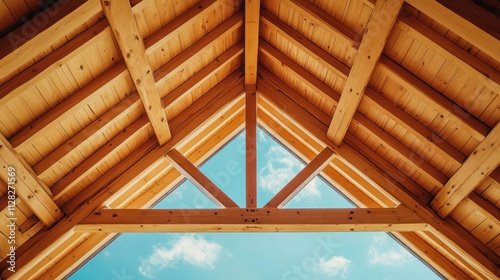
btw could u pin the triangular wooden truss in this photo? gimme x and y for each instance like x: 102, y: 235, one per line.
x: 62, y: 232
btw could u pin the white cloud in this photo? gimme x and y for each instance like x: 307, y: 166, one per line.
x: 334, y: 266
x: 383, y: 253
x: 191, y: 249
x: 281, y: 166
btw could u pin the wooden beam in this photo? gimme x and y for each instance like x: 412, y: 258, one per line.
x: 380, y: 25
x: 252, y: 219
x: 27, y: 185
x: 301, y: 179
x: 251, y: 148
x: 486, y: 40
x: 473, y: 171
x: 126, y: 32
x: 195, y: 176
x: 45, y: 30
x: 252, y: 19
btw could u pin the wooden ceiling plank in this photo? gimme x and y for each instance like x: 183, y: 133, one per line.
x: 28, y: 186
x: 130, y: 104
x: 46, y: 66
x: 43, y: 31
x: 326, y: 21
x: 163, y: 73
x: 444, y: 106
x: 472, y: 65
x: 252, y: 20
x: 68, y: 107
x: 129, y: 168
x: 171, y: 29
x: 388, y: 141
x: 251, y: 147
x: 461, y: 240
x: 128, y: 38
x: 100, y: 156
x: 304, y: 44
x: 244, y: 220
x: 486, y: 40
x: 202, y: 75
x: 373, y: 99
x: 473, y: 171
x: 305, y: 76
x: 380, y: 25
x: 202, y: 182
x: 303, y: 178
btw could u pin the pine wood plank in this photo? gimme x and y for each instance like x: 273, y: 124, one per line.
x: 195, y: 176
x: 481, y: 35
x: 473, y: 171
x: 323, y: 19
x: 380, y: 25
x: 130, y: 42
x: 423, y: 91
x: 303, y: 178
x: 48, y: 27
x: 28, y: 186
x: 466, y: 61
x: 41, y: 70
x: 170, y: 30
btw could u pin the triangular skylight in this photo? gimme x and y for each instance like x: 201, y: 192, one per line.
x: 360, y: 255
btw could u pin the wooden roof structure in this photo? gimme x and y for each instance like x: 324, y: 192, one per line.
x: 106, y: 105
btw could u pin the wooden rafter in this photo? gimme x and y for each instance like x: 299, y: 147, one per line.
x: 252, y: 15
x: 121, y: 18
x: 466, y: 29
x: 202, y: 182
x: 383, y: 18
x: 250, y: 219
x: 303, y: 178
x: 28, y: 186
x: 251, y: 148
x: 484, y: 160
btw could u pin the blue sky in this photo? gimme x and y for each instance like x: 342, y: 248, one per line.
x: 254, y: 256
